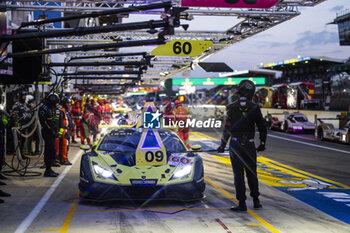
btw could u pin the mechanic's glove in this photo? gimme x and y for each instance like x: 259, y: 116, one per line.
x: 4, y: 119
x: 221, y: 148
x: 261, y: 147
x: 60, y: 132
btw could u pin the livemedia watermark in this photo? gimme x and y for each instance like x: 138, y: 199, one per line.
x: 155, y: 120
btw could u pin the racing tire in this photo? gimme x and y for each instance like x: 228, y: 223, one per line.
x: 285, y: 127
x: 320, y: 134
x: 268, y: 123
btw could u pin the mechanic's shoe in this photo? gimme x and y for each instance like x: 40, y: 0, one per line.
x: 2, y: 177
x: 2, y: 183
x: 57, y: 174
x: 73, y: 141
x: 241, y: 207
x: 65, y: 163
x: 56, y: 165
x: 3, y: 194
x: 257, y: 204
x: 50, y: 173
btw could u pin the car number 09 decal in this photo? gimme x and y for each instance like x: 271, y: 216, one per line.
x: 150, y: 156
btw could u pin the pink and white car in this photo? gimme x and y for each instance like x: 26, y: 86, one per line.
x: 297, y: 123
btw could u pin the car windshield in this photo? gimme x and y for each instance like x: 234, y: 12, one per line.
x: 127, y: 140
x: 300, y: 118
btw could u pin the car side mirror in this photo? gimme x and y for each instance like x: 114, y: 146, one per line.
x: 84, y: 148
x: 94, y: 145
x: 196, y: 147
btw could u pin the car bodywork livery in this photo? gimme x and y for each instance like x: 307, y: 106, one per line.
x: 326, y: 131
x: 263, y: 97
x: 140, y: 164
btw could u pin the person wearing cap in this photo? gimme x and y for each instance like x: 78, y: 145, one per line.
x: 65, y: 124
x: 242, y: 116
x: 49, y: 120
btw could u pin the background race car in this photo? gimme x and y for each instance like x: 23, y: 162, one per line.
x: 138, y: 163
x: 326, y: 131
x: 297, y: 123
x: 272, y: 122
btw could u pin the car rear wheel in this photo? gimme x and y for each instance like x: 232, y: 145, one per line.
x: 320, y: 134
x: 285, y: 127
x: 268, y: 123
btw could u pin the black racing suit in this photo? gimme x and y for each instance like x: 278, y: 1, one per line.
x: 240, y: 129
x: 3, y: 123
x: 49, y: 120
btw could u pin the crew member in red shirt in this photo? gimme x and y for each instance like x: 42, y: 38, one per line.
x: 182, y: 114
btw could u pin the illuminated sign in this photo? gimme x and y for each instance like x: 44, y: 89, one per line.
x: 230, y: 3
x: 215, y: 81
x: 184, y: 48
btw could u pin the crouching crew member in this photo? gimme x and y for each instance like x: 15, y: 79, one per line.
x: 49, y: 120
x: 242, y: 116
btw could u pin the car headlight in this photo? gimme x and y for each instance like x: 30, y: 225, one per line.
x: 104, y: 131
x: 343, y: 138
x: 102, y: 172
x: 183, y: 172
x: 114, y: 122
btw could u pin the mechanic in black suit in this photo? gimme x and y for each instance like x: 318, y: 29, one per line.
x: 239, y: 131
x: 49, y: 120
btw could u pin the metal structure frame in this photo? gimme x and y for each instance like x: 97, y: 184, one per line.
x: 252, y: 22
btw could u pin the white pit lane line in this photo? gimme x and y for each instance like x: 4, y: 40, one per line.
x: 34, y: 213
x: 310, y: 144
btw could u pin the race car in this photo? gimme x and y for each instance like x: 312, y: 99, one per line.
x: 297, y: 123
x: 326, y: 131
x: 273, y: 122
x: 136, y: 163
x: 141, y: 164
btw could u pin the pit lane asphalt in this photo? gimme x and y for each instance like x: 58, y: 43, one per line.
x: 59, y: 210
x: 303, y: 151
